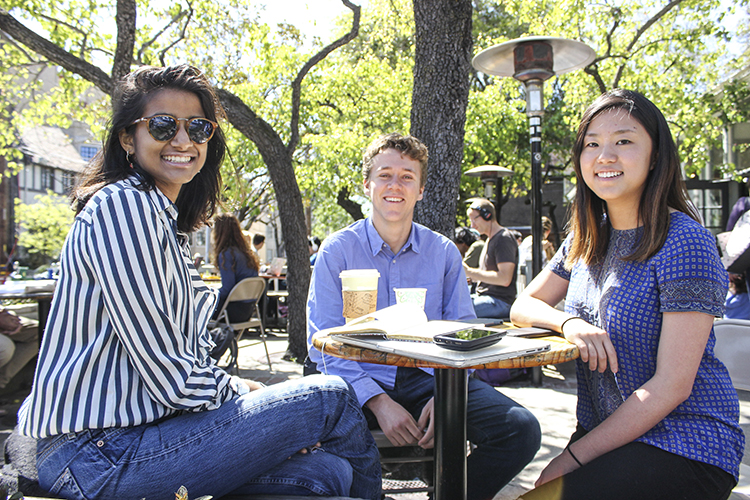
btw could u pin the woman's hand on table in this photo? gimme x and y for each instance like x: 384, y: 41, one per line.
x: 427, y: 423
x: 396, y: 423
x: 593, y: 343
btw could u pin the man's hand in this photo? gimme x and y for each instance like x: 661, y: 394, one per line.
x: 396, y: 423
x: 427, y: 423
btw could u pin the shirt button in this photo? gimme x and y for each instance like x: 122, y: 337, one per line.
x: 100, y: 443
x: 394, y: 261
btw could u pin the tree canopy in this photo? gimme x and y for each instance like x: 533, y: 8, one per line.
x: 303, y: 111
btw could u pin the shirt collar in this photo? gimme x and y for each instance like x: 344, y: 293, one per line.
x: 159, y: 199
x: 377, y: 243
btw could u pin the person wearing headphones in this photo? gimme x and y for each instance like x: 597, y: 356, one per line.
x: 469, y: 244
x: 496, y: 274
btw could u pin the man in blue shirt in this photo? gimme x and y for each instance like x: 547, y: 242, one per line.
x: 408, y: 255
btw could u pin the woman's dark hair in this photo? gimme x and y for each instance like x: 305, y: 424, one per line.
x: 197, y: 200
x: 227, y: 233
x: 664, y: 188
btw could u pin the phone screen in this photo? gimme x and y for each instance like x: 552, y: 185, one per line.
x: 471, y: 334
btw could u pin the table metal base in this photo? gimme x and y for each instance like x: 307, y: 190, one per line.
x: 451, y: 392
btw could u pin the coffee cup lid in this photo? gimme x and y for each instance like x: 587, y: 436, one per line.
x: 349, y: 273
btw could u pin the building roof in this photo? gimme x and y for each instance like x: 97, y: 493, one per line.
x: 51, y: 147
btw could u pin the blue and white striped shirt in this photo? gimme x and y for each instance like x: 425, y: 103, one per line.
x: 126, y: 340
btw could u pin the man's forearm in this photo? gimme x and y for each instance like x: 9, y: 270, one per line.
x: 498, y: 278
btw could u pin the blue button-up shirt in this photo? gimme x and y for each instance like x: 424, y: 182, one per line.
x: 427, y: 260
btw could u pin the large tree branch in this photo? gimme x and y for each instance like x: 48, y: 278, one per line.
x: 353, y: 208
x: 638, y: 34
x: 297, y: 83
x: 54, y: 53
x: 183, y: 31
x: 175, y: 19
x: 125, y: 18
x: 83, y: 34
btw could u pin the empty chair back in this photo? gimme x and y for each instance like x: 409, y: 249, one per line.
x: 733, y: 349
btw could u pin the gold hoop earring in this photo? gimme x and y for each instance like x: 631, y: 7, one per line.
x: 127, y: 158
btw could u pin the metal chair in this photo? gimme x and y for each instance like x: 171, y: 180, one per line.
x: 733, y: 349
x: 417, y: 464
x: 247, y: 289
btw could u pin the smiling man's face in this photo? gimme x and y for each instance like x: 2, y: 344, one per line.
x: 394, y: 187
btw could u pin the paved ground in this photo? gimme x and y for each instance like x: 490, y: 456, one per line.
x: 553, y: 404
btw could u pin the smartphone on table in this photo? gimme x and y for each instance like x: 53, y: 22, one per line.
x: 469, y: 338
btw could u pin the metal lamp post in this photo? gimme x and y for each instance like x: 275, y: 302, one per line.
x: 492, y: 178
x: 533, y: 60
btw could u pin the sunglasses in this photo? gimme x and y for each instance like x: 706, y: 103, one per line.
x: 163, y: 128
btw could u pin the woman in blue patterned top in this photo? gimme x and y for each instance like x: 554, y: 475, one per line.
x: 642, y: 283
x: 127, y: 402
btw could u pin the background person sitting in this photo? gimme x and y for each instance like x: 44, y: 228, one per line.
x: 235, y: 261
x: 259, y: 241
x: 496, y: 275
x: 548, y: 248
x: 469, y: 244
x: 737, y: 303
x: 19, y: 344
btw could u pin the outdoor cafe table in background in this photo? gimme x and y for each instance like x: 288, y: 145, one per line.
x: 451, y: 389
x: 275, y: 292
x: 40, y: 291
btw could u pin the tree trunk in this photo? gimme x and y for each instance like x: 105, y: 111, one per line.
x: 291, y: 212
x: 440, y: 95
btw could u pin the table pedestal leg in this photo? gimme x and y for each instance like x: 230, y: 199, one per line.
x: 451, y: 389
x: 43, y: 307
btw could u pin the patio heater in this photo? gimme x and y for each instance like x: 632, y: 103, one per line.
x: 533, y: 60
x: 492, y: 178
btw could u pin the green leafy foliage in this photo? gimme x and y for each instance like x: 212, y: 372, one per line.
x: 43, y: 227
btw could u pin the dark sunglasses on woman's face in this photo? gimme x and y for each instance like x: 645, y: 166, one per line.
x: 163, y: 128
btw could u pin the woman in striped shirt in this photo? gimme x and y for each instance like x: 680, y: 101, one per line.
x: 126, y: 401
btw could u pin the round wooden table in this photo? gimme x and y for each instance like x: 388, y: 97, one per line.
x: 451, y: 389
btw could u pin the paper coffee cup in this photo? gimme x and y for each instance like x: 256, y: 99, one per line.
x: 414, y: 296
x: 359, y: 289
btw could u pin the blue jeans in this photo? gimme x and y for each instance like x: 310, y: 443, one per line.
x: 247, y: 446
x: 506, y: 435
x: 487, y: 306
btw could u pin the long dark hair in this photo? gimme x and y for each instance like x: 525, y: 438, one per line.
x: 664, y: 188
x: 226, y: 234
x: 197, y: 200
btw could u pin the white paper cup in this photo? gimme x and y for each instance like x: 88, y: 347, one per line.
x: 414, y: 296
x: 359, y: 289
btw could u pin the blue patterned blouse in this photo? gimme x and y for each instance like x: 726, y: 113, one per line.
x: 627, y: 300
